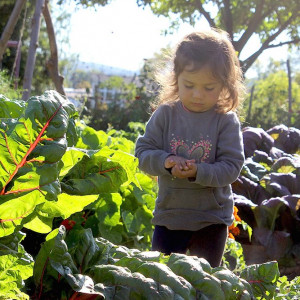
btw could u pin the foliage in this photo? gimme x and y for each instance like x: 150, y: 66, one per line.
x: 7, y: 88
x: 134, y: 130
x: 117, y: 112
x: 41, y: 80
x: 233, y: 257
x: 270, y: 101
x: 56, y: 170
x: 46, y: 177
x: 287, y: 289
x: 85, y: 265
x: 126, y: 103
x: 135, y: 104
x: 15, y: 266
x: 241, y: 19
x: 122, y: 215
x: 87, y: 3
x: 267, y: 193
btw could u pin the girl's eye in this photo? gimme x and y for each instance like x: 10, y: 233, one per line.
x: 189, y: 86
x: 209, y: 89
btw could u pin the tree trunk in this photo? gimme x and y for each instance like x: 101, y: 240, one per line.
x: 10, y: 26
x: 290, y: 92
x: 36, y: 23
x: 250, y: 103
x: 52, y: 63
x: 17, y: 62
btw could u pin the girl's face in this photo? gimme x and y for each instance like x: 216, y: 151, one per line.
x: 198, y: 91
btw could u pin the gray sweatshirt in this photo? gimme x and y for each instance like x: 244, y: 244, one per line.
x: 215, y: 141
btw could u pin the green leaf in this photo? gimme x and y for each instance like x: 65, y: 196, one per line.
x: 65, y: 206
x: 13, y: 270
x: 286, y: 165
x: 94, y: 139
x: 11, y: 244
x: 94, y: 174
x: 164, y: 275
x: 11, y: 108
x: 145, y: 287
x: 35, y: 140
x: 128, y: 162
x: 71, y: 157
x: 186, y: 267
x: 13, y: 212
x: 108, y: 209
x: 263, y: 279
x: 31, y: 148
x: 86, y: 248
x: 52, y: 258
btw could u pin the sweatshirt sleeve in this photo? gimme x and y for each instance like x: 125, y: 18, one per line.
x: 149, y: 147
x: 229, y: 156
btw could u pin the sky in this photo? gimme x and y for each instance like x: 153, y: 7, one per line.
x: 122, y: 35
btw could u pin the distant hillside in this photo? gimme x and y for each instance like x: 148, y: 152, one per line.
x: 108, y: 70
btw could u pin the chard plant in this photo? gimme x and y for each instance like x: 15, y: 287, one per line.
x: 78, y: 191
x: 267, y: 195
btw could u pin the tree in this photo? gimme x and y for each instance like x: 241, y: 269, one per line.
x: 52, y: 63
x: 9, y: 28
x: 10, y: 16
x: 270, y: 105
x: 242, y: 19
x: 30, y: 63
x: 87, y: 3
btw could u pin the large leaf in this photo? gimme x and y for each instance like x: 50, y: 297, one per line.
x: 65, y: 206
x: 95, y: 172
x: 262, y: 158
x: 17, y: 211
x: 109, y: 216
x: 11, y: 244
x: 262, y: 278
x: 285, y: 138
x: 31, y: 148
x: 250, y: 189
x: 90, y: 138
x: 256, y: 139
x: 54, y: 258
x: 277, y: 243
x: 36, y: 139
x: 282, y: 184
x: 286, y: 165
x: 15, y: 266
x: 11, y: 108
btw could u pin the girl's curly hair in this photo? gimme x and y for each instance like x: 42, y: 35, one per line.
x: 213, y: 48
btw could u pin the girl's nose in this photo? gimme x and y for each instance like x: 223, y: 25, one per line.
x: 198, y: 93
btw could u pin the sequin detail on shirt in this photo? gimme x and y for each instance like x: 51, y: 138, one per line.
x: 194, y: 150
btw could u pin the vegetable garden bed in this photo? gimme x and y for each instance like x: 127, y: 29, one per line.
x: 86, y: 210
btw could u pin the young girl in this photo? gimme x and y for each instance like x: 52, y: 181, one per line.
x: 193, y: 143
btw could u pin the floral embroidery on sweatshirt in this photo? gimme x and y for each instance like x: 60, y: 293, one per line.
x: 198, y: 150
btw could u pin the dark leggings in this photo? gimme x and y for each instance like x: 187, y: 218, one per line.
x: 208, y: 242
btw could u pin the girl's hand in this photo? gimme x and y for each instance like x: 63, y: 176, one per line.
x: 181, y: 162
x: 190, y: 172
x: 170, y: 162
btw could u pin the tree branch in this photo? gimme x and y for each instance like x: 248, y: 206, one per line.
x: 246, y: 64
x: 253, y: 24
x: 10, y: 26
x: 228, y: 18
x: 256, y: 21
x: 284, y: 43
x: 207, y: 16
x: 34, y: 37
x: 52, y: 63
